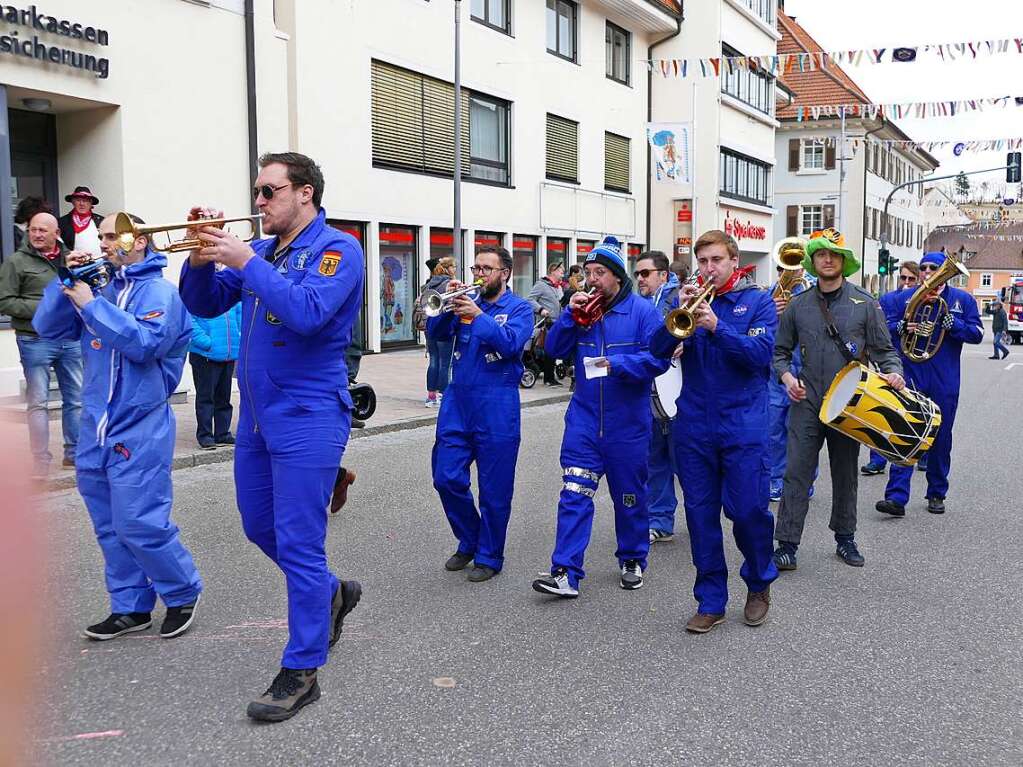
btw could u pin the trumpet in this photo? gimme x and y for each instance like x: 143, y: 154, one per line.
x: 788, y: 254
x: 127, y: 231
x: 436, y: 303
x: 592, y: 310
x: 681, y: 322
x: 922, y: 344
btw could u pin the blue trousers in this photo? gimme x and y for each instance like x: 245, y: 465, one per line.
x: 38, y: 355
x: 129, y: 502
x: 482, y: 427
x: 736, y: 480
x: 660, y: 486
x: 284, y: 474
x: 438, y: 373
x: 585, y: 458
x: 939, y: 458
x: 778, y: 414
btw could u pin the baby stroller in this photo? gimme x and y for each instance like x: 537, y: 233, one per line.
x: 533, y: 356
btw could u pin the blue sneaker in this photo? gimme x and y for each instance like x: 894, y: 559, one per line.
x: 775, y: 493
x: 812, y: 490
x: 872, y: 468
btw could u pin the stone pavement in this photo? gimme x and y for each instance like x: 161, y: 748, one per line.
x: 399, y: 379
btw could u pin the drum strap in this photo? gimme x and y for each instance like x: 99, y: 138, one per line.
x: 834, y: 333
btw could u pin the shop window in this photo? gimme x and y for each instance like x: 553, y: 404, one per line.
x: 524, y: 248
x: 557, y: 251
x: 398, y: 284
x: 562, y: 20
x: 618, y: 44
x: 562, y: 149
x: 582, y: 249
x: 442, y: 245
x: 488, y: 240
x: 356, y: 229
x: 634, y: 251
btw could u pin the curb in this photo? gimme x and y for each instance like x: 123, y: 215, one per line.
x: 225, y: 454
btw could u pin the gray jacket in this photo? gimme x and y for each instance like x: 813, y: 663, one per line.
x: 861, y: 323
x: 544, y: 295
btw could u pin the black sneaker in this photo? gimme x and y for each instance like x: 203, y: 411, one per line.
x: 553, y: 384
x: 207, y: 443
x: 785, y: 557
x: 345, y: 599
x: 117, y: 624
x: 848, y: 553
x: 921, y: 465
x: 557, y: 584
x: 458, y: 561
x: 228, y: 440
x: 632, y: 575
x: 290, y: 690
x: 178, y: 620
x: 936, y: 505
x: 890, y: 507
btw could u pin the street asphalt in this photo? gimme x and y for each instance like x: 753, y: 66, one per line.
x: 915, y: 659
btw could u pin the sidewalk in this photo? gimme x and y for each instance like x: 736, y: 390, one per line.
x: 399, y: 379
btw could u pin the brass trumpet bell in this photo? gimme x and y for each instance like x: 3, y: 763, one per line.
x: 788, y: 255
x: 128, y: 231
x: 681, y: 322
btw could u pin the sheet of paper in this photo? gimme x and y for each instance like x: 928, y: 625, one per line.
x: 590, y: 366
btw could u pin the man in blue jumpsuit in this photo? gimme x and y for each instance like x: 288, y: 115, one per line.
x: 607, y: 428
x: 721, y: 429
x: 656, y: 282
x: 479, y: 415
x: 938, y: 378
x: 301, y: 290
x: 135, y: 334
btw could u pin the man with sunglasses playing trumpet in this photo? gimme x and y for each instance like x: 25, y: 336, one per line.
x: 301, y: 291
x: 479, y: 415
x: 937, y: 377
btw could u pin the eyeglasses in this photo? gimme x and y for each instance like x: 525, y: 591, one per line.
x: 644, y: 273
x: 928, y: 268
x: 485, y: 271
x: 907, y: 277
x: 267, y: 191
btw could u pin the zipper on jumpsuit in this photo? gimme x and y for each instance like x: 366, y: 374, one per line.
x: 601, y: 381
x: 248, y: 385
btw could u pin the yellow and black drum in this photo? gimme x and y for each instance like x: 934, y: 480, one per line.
x: 900, y: 425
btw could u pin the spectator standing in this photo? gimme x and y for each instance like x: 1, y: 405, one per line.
x: 545, y: 298
x: 999, y: 327
x: 27, y: 207
x: 79, y: 228
x: 212, y: 354
x: 439, y: 350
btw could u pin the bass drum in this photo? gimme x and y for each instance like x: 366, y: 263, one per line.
x: 900, y: 425
x: 667, y: 387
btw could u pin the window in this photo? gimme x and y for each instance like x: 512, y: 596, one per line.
x: 618, y: 43
x: 413, y: 126
x: 764, y: 9
x: 524, y: 249
x: 634, y: 250
x: 561, y: 28
x: 562, y: 149
x: 582, y: 249
x: 488, y: 240
x: 557, y: 252
x: 442, y: 244
x: 493, y: 13
x: 617, y: 157
x: 985, y: 280
x: 488, y: 139
x: 813, y: 154
x: 397, y: 284
x: 751, y: 86
x: 811, y: 219
x: 743, y: 177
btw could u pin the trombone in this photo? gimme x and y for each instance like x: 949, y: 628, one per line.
x: 436, y: 303
x: 681, y: 322
x: 127, y: 231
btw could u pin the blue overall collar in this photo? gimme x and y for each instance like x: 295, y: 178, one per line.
x: 305, y: 238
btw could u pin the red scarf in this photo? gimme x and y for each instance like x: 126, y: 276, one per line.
x: 738, y: 274
x: 80, y: 223
x: 54, y: 254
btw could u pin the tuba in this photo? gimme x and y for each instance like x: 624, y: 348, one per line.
x: 592, y: 310
x: 681, y: 322
x: 788, y: 255
x: 436, y: 303
x: 924, y: 343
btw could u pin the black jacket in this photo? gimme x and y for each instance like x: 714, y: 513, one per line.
x: 67, y: 228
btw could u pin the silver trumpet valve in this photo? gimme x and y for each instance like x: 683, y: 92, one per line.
x: 436, y: 303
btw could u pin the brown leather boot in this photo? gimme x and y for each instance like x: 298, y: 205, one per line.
x: 291, y: 690
x: 701, y: 623
x: 340, y: 497
x: 757, y: 604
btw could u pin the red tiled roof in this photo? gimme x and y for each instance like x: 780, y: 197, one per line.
x: 988, y: 252
x: 819, y: 87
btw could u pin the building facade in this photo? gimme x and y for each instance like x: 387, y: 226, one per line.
x: 941, y: 210
x: 993, y: 253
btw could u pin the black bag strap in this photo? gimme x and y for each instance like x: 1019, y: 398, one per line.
x: 832, y: 329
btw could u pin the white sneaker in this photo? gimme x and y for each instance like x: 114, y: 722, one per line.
x: 429, y: 402
x: 557, y: 584
x: 632, y: 575
x: 660, y: 536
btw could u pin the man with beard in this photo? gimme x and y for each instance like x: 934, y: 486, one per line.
x: 479, y: 415
x: 607, y: 429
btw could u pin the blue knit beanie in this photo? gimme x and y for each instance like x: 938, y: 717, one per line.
x: 933, y: 258
x: 609, y: 254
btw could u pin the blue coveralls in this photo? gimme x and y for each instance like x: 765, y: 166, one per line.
x: 298, y: 309
x: 721, y: 429
x: 135, y: 336
x: 885, y: 301
x: 779, y: 414
x: 660, y: 486
x: 479, y: 421
x: 607, y: 430
x: 938, y: 378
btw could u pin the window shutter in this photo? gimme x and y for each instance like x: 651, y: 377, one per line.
x: 439, y: 127
x: 616, y: 162
x: 829, y: 216
x: 829, y: 156
x: 792, y: 220
x: 397, y: 113
x: 794, y: 148
x: 562, y: 148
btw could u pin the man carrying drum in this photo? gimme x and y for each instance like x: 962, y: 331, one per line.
x: 832, y: 324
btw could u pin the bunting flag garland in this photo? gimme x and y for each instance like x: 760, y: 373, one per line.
x: 978, y: 145
x: 916, y: 109
x: 783, y: 63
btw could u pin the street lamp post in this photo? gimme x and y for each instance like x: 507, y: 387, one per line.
x: 456, y: 239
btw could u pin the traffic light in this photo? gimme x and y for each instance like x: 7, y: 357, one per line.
x: 1012, y: 169
x: 883, y: 261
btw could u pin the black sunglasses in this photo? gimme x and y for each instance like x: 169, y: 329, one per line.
x: 267, y: 191
x: 928, y: 268
x: 644, y: 273
x: 907, y: 277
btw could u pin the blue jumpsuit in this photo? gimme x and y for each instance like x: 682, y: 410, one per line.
x: 660, y: 486
x: 938, y: 378
x: 479, y: 421
x: 886, y: 301
x: 721, y: 429
x: 607, y: 430
x: 134, y: 337
x: 298, y: 309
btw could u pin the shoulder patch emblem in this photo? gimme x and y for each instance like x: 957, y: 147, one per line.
x: 329, y: 263
x: 271, y: 318
x: 300, y: 261
x: 500, y: 319
x: 854, y: 300
x: 151, y: 315
x: 96, y: 344
x: 629, y: 500
x: 739, y: 309
x: 957, y: 307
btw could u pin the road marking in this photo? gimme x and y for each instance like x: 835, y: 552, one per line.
x: 1011, y: 365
